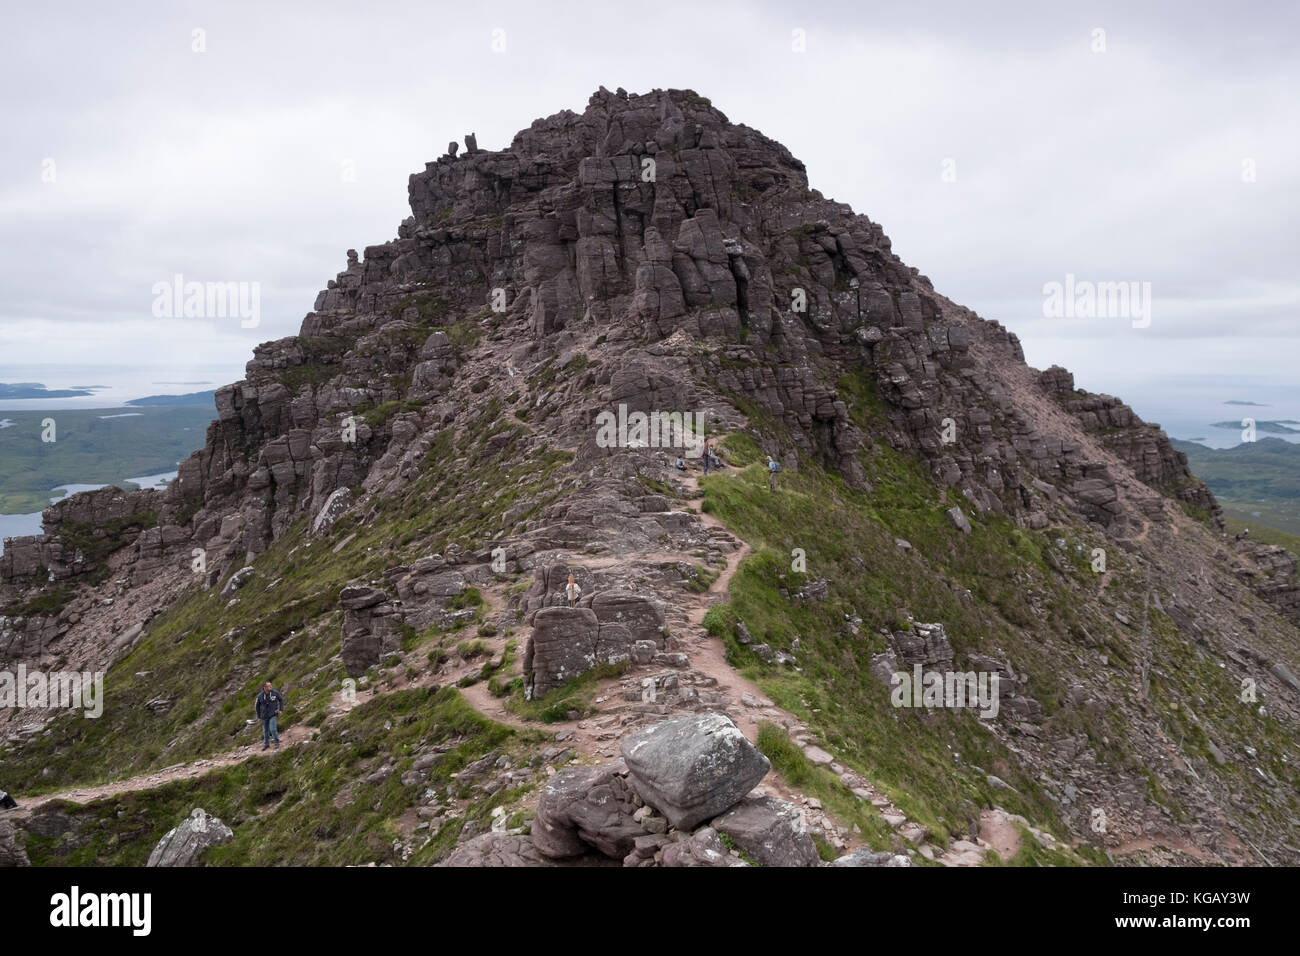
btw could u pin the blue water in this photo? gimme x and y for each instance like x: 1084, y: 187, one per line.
x: 1187, y: 406
x: 115, y: 385
x: 16, y: 526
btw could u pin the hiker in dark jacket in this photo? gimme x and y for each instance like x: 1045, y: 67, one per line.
x: 270, y: 705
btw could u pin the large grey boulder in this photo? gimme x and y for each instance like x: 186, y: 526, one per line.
x: 184, y: 843
x: 237, y: 581
x: 958, y: 519
x: 771, y: 832
x: 692, y: 768
x: 583, y: 808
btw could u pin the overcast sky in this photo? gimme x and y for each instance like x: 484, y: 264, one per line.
x: 290, y: 137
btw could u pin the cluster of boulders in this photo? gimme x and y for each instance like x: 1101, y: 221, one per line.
x: 646, y: 808
x: 682, y: 794
x: 606, y: 627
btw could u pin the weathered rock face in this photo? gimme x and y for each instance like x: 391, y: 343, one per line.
x: 562, y: 646
x: 184, y: 843
x: 703, y: 848
x: 370, y: 627
x: 926, y: 645
x: 640, y: 616
x: 1270, y: 571
x: 549, y: 583
x: 106, y: 519
x: 506, y: 849
x: 586, y: 808
x: 693, y: 768
x: 426, y: 588
x: 1142, y: 446
x: 770, y: 831
x: 12, y: 853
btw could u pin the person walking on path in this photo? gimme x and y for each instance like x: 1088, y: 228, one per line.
x: 270, y: 705
x: 707, y: 453
x: 772, y: 468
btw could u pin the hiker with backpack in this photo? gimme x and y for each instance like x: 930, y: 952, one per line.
x: 773, y: 466
x: 269, y: 706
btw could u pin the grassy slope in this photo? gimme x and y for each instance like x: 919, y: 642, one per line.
x: 935, y: 764
x: 308, y: 805
x: 208, y: 657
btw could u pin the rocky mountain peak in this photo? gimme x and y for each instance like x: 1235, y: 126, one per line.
x: 434, y: 433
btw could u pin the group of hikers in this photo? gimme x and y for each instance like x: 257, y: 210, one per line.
x: 713, y: 462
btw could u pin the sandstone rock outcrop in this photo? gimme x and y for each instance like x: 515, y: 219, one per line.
x: 184, y: 843
x: 771, y: 832
x: 370, y: 627
x: 586, y: 808
x: 12, y: 853
x: 562, y: 646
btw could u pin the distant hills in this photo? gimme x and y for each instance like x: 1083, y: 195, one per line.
x: 15, y: 390
x: 1258, y: 479
x: 10, y: 391
x: 192, y: 398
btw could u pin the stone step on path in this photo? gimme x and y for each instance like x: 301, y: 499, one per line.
x: 959, y: 853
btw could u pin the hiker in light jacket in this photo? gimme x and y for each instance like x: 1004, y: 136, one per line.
x: 270, y: 705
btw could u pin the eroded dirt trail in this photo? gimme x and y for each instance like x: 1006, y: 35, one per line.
x: 290, y: 737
